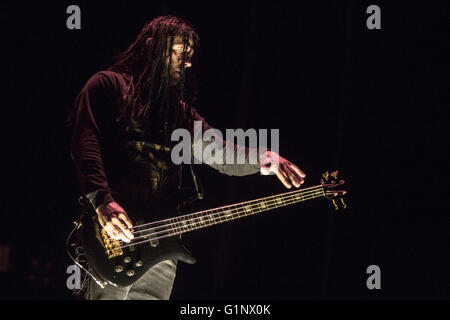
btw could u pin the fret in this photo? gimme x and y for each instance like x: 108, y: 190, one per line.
x: 202, y: 222
x: 248, y: 209
x: 173, y: 226
x: 262, y: 205
x: 221, y: 217
x: 279, y: 201
x: 208, y: 219
x: 185, y: 225
x: 216, y: 217
x: 196, y: 222
x: 213, y: 217
x: 227, y: 216
x: 177, y: 225
x: 237, y: 211
x: 228, y: 213
x: 256, y: 208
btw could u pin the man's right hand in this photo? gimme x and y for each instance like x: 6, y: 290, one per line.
x: 115, y: 221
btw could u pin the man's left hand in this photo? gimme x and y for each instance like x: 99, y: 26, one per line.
x: 288, y: 173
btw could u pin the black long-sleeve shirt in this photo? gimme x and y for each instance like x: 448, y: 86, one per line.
x: 114, y: 164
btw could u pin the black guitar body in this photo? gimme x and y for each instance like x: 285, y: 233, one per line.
x: 119, y: 266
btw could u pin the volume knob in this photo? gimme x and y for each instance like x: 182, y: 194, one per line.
x: 127, y: 259
x: 131, y: 273
x: 139, y: 264
x: 118, y: 268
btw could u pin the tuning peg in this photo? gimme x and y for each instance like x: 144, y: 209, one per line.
x: 344, y: 206
x: 336, y: 207
x: 334, y: 174
x: 325, y: 176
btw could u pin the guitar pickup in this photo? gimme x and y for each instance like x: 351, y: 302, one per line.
x: 154, y: 242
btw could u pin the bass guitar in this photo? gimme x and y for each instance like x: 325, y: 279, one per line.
x: 117, y: 263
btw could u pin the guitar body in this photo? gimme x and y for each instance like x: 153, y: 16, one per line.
x: 121, y: 264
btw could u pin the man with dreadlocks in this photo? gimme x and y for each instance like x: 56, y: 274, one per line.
x: 122, y: 121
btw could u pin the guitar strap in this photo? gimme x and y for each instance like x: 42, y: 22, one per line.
x: 199, y: 191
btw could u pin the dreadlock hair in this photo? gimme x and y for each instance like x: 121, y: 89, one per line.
x: 145, y: 61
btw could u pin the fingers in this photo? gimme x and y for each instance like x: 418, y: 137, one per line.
x: 296, y: 169
x: 118, y: 230
x: 115, y: 222
x: 123, y: 232
x: 294, y: 175
x: 292, y: 178
x: 283, y: 178
x: 111, y: 230
x: 289, y: 174
x: 125, y: 219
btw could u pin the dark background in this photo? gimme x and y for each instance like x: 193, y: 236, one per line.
x: 371, y: 103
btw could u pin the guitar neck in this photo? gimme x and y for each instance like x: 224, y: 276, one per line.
x: 207, y: 218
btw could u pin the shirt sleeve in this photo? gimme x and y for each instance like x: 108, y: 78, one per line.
x: 89, y: 129
x: 236, y: 160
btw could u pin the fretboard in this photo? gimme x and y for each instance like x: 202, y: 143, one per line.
x: 207, y: 218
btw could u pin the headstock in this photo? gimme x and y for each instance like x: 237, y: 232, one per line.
x: 329, y: 182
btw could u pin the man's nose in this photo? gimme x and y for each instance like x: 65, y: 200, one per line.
x: 188, y: 64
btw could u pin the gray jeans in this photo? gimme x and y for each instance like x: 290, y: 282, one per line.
x: 155, y: 284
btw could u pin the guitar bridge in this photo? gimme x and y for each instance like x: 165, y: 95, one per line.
x: 112, y: 247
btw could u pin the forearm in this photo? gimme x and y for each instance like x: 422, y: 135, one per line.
x: 87, y: 156
x: 226, y: 156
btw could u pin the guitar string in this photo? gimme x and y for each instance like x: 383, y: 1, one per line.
x: 209, y: 212
x: 212, y: 215
x: 193, y: 224
x: 268, y: 198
